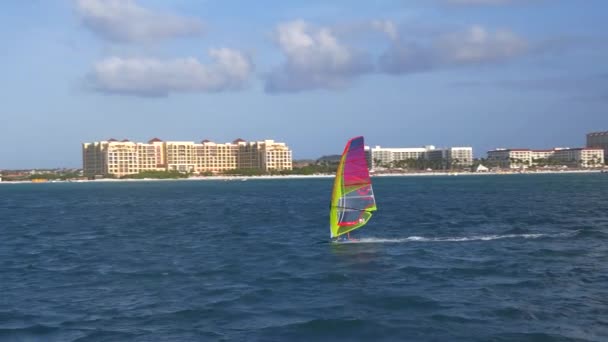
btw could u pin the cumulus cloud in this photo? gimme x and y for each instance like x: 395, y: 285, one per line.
x: 478, y: 45
x: 126, y: 21
x: 473, y: 46
x: 315, y: 58
x: 387, y: 27
x: 230, y: 70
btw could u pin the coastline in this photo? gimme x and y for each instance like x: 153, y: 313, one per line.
x: 278, y: 177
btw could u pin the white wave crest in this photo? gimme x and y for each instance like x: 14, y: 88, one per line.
x: 455, y: 239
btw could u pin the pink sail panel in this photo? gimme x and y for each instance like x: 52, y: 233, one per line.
x: 357, y: 200
x: 356, y: 173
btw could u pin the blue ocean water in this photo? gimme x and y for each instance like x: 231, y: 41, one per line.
x: 469, y: 258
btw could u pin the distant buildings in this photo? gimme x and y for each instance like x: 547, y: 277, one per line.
x: 460, y: 156
x: 440, y: 158
x: 522, y: 158
x: 120, y: 158
x: 383, y: 156
x: 599, y: 140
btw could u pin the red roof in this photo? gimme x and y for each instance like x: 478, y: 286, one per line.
x: 153, y: 140
x: 205, y: 141
x: 125, y: 140
x: 112, y: 139
x: 238, y: 140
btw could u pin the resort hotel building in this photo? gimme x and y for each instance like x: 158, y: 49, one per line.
x: 452, y: 156
x: 599, y: 140
x: 523, y: 157
x: 114, y: 158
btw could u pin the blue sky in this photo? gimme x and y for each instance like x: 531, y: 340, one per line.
x: 481, y: 73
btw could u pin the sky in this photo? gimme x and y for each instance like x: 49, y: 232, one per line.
x: 480, y: 73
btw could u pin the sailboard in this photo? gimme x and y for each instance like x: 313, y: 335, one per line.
x: 352, y: 200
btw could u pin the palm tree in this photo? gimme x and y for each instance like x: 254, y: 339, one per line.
x: 376, y: 162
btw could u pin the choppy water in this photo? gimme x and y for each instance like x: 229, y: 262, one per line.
x: 477, y: 258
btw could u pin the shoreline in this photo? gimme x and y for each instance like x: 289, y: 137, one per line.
x: 265, y: 177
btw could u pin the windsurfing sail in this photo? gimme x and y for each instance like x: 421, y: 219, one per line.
x: 352, y: 200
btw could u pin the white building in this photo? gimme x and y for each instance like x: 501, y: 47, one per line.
x: 461, y: 156
x: 580, y: 157
x: 386, y: 156
x: 451, y: 156
x: 522, y: 158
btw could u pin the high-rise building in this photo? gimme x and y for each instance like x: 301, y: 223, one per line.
x: 460, y: 156
x: 580, y: 157
x: 523, y: 157
x: 510, y: 158
x: 214, y: 157
x: 113, y: 157
x: 599, y: 140
x: 264, y: 155
x: 451, y: 156
x: 120, y: 158
x: 386, y: 156
x: 180, y: 156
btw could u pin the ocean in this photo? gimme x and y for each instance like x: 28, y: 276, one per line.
x: 465, y: 258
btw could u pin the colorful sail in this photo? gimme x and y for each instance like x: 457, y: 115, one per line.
x: 352, y: 201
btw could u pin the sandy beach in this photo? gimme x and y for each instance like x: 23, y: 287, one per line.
x: 279, y: 177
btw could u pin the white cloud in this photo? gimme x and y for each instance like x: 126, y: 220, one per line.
x: 387, y: 27
x: 473, y: 46
x: 126, y: 21
x: 478, y: 45
x: 231, y: 70
x: 315, y: 58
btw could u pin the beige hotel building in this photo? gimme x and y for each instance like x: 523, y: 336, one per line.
x: 119, y: 158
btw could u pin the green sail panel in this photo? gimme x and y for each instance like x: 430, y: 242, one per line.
x: 353, y: 201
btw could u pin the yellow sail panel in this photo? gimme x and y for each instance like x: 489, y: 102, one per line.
x: 335, y: 199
